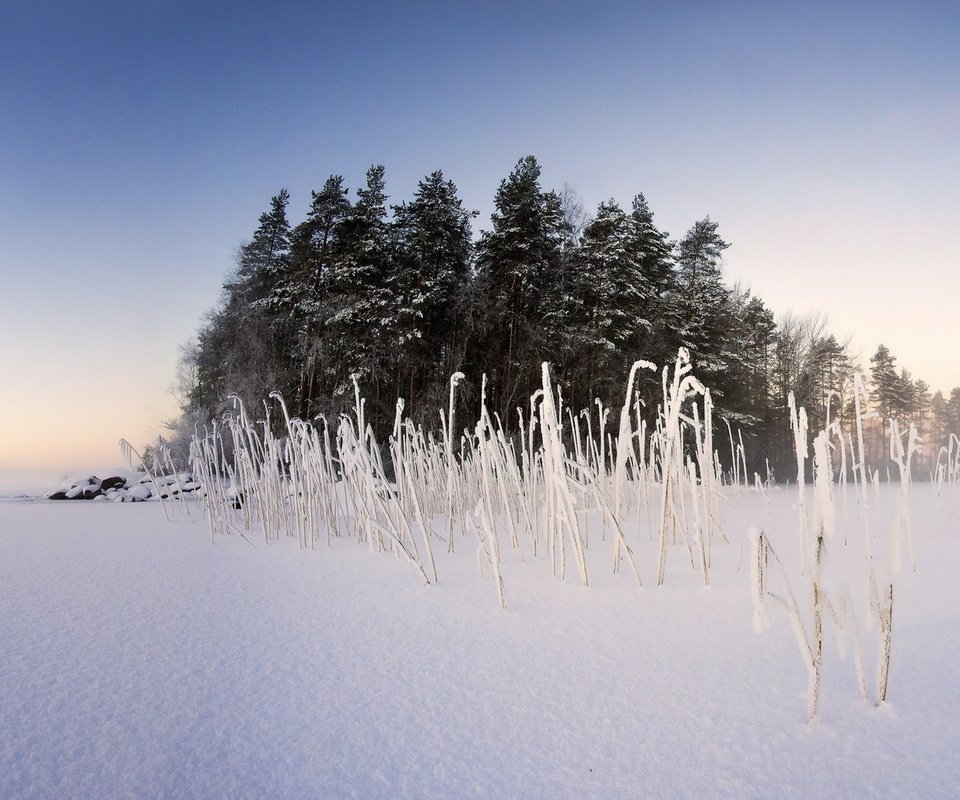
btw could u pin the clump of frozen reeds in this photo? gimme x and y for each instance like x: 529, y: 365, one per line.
x: 798, y: 425
x: 135, y: 461
x: 902, y: 456
x: 816, y: 525
x: 319, y: 481
x: 947, y: 469
x: 808, y: 627
x: 561, y: 515
x: 675, y: 474
x: 491, y: 467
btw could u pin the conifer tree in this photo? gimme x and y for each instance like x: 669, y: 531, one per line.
x: 245, y: 346
x: 429, y: 282
x: 359, y: 289
x: 519, y: 278
x: 749, y: 347
x: 952, y: 413
x: 885, y: 389
x: 921, y: 404
x: 313, y: 245
x: 938, y: 422
x: 606, y: 295
x: 265, y: 259
x: 906, y: 400
x: 701, y: 302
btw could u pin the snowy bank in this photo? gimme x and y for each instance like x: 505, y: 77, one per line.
x: 142, y: 660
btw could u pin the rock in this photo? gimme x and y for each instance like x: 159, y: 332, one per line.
x: 91, y: 492
x: 116, y: 482
x: 59, y: 496
x: 139, y: 492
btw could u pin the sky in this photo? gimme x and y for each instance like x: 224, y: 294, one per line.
x: 139, y: 143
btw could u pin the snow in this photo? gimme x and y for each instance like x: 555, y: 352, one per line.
x: 138, y: 658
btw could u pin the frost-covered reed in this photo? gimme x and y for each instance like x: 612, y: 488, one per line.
x: 535, y: 492
x: 833, y: 603
x: 564, y: 485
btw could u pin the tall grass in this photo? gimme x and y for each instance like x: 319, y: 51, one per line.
x: 325, y: 480
x: 544, y: 492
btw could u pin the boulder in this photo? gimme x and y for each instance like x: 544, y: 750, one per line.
x: 59, y: 496
x: 139, y: 492
x: 116, y: 482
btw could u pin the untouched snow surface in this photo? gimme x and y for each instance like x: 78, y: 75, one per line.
x: 140, y: 659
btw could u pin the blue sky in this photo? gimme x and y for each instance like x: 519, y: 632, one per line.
x: 140, y: 142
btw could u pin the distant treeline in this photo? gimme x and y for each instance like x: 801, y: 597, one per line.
x: 402, y: 296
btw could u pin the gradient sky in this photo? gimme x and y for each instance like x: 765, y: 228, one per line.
x: 140, y: 142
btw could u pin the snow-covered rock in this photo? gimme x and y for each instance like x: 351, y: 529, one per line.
x: 140, y: 492
x: 119, y: 489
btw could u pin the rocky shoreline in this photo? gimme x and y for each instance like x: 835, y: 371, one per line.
x: 118, y: 489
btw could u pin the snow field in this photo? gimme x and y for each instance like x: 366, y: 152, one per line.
x: 140, y: 659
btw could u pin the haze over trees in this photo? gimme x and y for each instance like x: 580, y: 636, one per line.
x: 401, y: 296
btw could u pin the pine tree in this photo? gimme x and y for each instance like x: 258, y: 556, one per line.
x: 360, y: 299
x: 519, y: 279
x: 748, y: 400
x: 905, y: 400
x: 606, y: 294
x: 654, y: 247
x: 264, y: 261
x: 245, y: 346
x: 921, y: 404
x: 885, y: 391
x: 938, y: 422
x: 952, y: 413
x: 434, y: 248
x: 701, y: 303
x: 313, y: 245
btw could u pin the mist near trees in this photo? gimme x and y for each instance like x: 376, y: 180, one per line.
x: 400, y: 296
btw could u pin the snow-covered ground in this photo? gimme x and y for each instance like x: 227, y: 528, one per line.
x: 138, y: 658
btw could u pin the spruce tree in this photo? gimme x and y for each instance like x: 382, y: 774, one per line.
x: 519, y: 280
x: 607, y: 294
x: 921, y: 404
x: 265, y: 259
x: 313, y: 245
x: 885, y: 389
x: 749, y: 389
x: 701, y: 303
x: 429, y: 281
x: 359, y: 292
x: 245, y: 346
x: 952, y: 414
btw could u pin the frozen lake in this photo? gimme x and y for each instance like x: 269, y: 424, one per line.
x: 141, y: 659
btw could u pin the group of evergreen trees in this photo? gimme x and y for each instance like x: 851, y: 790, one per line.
x: 402, y: 296
x: 897, y: 394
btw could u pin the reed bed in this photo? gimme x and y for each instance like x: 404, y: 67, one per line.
x: 534, y: 492
x: 564, y: 485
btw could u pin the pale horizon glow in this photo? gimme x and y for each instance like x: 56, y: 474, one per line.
x: 140, y: 143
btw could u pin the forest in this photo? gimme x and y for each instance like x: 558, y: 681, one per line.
x: 396, y: 298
